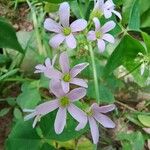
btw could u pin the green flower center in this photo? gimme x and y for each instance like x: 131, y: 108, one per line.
x: 66, y: 31
x: 67, y: 77
x: 64, y: 101
x: 96, y: 13
x: 89, y: 112
x: 98, y: 35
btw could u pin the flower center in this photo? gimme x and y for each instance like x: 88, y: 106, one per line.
x: 67, y: 77
x: 66, y: 31
x: 64, y: 101
x: 89, y: 112
x: 98, y: 35
x: 97, y: 13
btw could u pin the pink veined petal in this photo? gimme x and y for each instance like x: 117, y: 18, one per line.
x: 107, y: 13
x: 91, y: 36
x: 103, y: 109
x: 64, y: 14
x: 30, y: 116
x: 64, y: 62
x: 78, y: 25
x: 109, y: 4
x: 101, y: 45
x: 56, y: 88
x: 108, y: 38
x: 117, y: 14
x: 108, y: 26
x: 71, y: 41
x: 60, y: 120
x: 56, y: 40
x: 39, y: 68
x: 47, y: 107
x: 51, y: 25
x: 104, y: 120
x: 65, y: 86
x: 76, y: 94
x: 48, y: 63
x: 98, y: 4
x: 35, y: 121
x: 97, y: 23
x: 78, y: 68
x: 77, y: 114
x: 79, y: 82
x: 94, y: 130
x: 53, y: 73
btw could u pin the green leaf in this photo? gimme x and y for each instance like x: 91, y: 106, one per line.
x: 23, y: 137
x: 134, y: 18
x: 57, y: 1
x: 4, y: 112
x: 106, y: 96
x: 51, y: 7
x: 47, y: 147
x: 4, y: 59
x: 8, y: 37
x: 124, y: 54
x: 145, y: 120
x: 47, y: 126
x: 17, y: 113
x: 30, y: 95
x: 146, y: 38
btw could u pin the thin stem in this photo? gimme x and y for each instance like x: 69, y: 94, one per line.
x: 94, y: 73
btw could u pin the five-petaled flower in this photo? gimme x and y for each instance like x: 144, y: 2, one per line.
x: 96, y: 114
x: 67, y: 75
x: 64, y: 30
x: 100, y: 34
x: 105, y: 8
x: 64, y: 102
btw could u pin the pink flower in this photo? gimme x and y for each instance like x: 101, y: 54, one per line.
x: 46, y: 69
x: 96, y: 114
x: 64, y: 30
x: 64, y: 102
x: 106, y: 8
x: 100, y: 34
x: 67, y: 76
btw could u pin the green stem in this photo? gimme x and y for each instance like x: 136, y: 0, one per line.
x: 94, y: 73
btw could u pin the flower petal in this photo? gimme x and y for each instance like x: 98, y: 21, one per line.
x: 94, y: 130
x: 39, y: 68
x: 48, y: 63
x: 79, y: 82
x: 104, y: 120
x: 64, y: 14
x: 78, y: 25
x: 97, y: 23
x: 109, y: 38
x: 101, y: 45
x: 98, y: 4
x: 91, y: 36
x: 71, y: 41
x: 60, y: 120
x: 107, y: 13
x: 51, y: 25
x: 47, y: 107
x: 76, y: 94
x: 56, y: 40
x: 65, y: 86
x: 56, y: 88
x: 64, y: 62
x: 28, y: 117
x: 78, y: 68
x: 103, y: 109
x: 117, y: 14
x: 108, y: 26
x: 78, y: 114
x: 53, y: 73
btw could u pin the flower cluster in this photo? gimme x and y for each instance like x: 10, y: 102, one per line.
x: 63, y: 77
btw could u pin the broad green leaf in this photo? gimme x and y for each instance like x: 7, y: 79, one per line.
x: 47, y: 147
x: 124, y: 54
x: 145, y: 120
x: 134, y: 18
x: 145, y: 19
x: 106, y: 96
x: 8, y: 38
x: 47, y: 126
x: 23, y: 137
x: 4, y: 111
x: 146, y: 38
x: 17, y: 113
x: 4, y: 59
x: 30, y: 95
